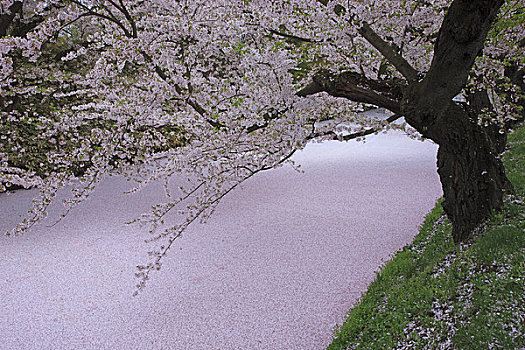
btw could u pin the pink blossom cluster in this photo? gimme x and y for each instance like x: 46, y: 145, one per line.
x: 224, y: 73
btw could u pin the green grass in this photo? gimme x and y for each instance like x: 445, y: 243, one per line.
x: 437, y: 295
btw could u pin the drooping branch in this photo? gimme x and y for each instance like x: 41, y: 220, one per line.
x: 193, y: 104
x: 355, y: 87
x: 90, y: 12
x: 129, y: 18
x: 267, y: 118
x: 370, y: 131
x: 355, y: 135
x: 292, y: 37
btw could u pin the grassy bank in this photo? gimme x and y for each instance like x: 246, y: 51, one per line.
x: 436, y: 295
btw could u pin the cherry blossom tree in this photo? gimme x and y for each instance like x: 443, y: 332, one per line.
x: 217, y: 91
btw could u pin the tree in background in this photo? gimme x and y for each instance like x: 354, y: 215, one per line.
x: 220, y: 90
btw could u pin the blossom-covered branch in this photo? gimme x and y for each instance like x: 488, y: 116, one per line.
x: 216, y: 91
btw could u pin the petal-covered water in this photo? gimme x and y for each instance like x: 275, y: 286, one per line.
x: 276, y: 267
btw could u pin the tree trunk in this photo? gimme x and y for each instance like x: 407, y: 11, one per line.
x: 472, y: 175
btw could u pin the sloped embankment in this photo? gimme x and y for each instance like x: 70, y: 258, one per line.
x: 434, y: 294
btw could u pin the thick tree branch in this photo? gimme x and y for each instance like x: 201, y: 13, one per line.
x: 388, y: 52
x: 355, y: 87
x: 382, y: 46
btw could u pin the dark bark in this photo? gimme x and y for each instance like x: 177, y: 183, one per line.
x: 471, y: 173
x: 13, y: 22
x: 388, y: 52
x: 7, y: 19
x: 356, y: 87
x: 460, y: 40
